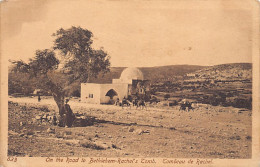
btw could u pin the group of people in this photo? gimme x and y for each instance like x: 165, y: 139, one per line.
x: 130, y: 101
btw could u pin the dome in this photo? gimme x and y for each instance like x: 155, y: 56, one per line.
x: 131, y: 73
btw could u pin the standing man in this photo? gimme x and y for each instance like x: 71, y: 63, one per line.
x: 39, y: 98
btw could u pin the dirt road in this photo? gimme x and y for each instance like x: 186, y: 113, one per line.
x: 206, y: 132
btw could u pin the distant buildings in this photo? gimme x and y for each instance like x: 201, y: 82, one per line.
x: 191, y: 75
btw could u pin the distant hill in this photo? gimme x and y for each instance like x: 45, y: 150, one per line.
x: 163, y: 73
x: 226, y: 71
x: 168, y: 72
x: 154, y: 74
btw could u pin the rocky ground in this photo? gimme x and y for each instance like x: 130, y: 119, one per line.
x: 206, y: 132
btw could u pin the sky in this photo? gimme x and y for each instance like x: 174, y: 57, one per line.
x: 135, y: 33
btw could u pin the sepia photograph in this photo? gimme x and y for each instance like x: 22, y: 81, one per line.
x: 155, y: 83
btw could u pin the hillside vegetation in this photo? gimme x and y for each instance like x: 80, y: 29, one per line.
x: 227, y: 72
x: 226, y: 85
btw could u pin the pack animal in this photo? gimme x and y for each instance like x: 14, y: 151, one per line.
x: 126, y: 103
x: 141, y: 104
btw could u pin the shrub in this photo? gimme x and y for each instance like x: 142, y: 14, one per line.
x: 239, y: 102
x: 167, y: 96
x: 173, y: 103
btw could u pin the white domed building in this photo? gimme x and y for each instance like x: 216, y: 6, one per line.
x: 128, y: 75
x: 119, y: 88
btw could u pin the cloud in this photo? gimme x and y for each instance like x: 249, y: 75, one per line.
x: 17, y: 12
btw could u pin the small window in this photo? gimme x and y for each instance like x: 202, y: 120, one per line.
x: 90, y: 95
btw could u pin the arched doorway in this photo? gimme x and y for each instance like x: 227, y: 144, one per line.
x: 112, y: 94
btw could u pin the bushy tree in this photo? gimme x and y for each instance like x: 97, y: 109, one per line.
x: 20, y: 83
x: 71, y: 61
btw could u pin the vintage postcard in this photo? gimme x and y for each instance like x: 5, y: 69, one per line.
x: 130, y: 83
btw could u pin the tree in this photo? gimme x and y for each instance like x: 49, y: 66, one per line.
x: 19, y: 83
x: 76, y: 62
